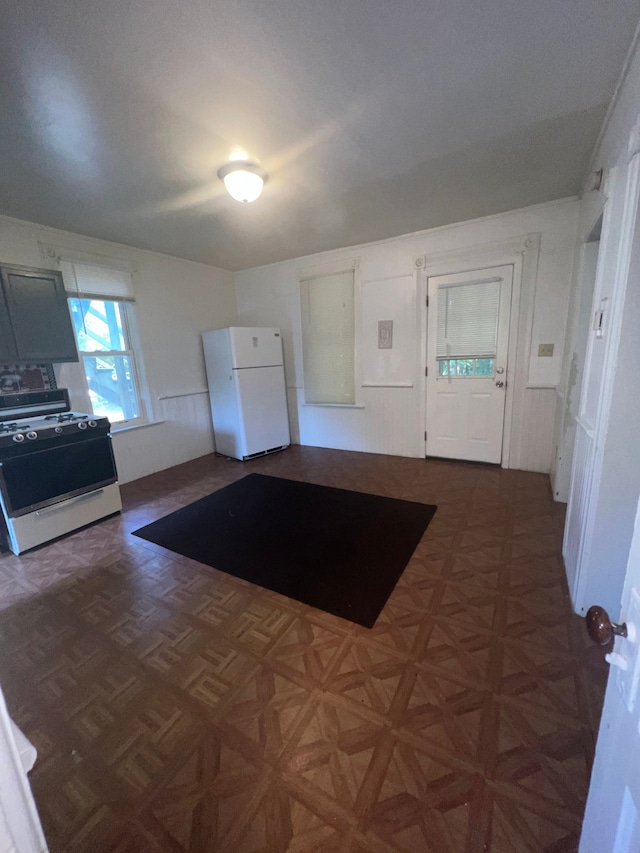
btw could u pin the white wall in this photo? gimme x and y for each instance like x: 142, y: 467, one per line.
x: 391, y: 419
x: 176, y: 300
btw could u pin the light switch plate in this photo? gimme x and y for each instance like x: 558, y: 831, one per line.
x: 545, y: 350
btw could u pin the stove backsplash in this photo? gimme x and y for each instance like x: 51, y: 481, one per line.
x: 26, y: 377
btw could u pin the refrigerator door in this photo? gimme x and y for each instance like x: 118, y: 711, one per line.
x: 262, y: 402
x: 252, y: 346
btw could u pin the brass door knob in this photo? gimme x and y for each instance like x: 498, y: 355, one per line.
x: 600, y: 628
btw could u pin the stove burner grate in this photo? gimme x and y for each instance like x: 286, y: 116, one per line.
x: 12, y: 427
x: 67, y: 416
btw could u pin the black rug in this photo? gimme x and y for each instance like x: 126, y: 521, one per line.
x: 336, y: 550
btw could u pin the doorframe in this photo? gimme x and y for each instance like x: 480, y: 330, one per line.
x: 562, y: 460
x: 522, y: 254
x: 622, y: 187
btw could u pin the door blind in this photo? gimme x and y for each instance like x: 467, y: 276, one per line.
x: 328, y: 338
x: 468, y: 319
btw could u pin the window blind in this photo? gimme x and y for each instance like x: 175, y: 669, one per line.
x: 328, y: 339
x: 82, y: 279
x: 468, y: 320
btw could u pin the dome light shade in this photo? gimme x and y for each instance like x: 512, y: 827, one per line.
x: 243, y: 180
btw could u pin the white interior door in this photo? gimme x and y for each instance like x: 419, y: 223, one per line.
x: 467, y: 346
x: 20, y: 829
x: 612, y: 817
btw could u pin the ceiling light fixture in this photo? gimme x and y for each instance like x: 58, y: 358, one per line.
x: 243, y: 180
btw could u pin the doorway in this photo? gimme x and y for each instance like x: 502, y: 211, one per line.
x: 575, y: 354
x: 467, y: 348
x: 596, y: 505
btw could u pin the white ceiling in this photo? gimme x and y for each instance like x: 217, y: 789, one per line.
x: 373, y: 118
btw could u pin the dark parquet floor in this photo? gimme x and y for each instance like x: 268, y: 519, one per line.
x: 176, y: 708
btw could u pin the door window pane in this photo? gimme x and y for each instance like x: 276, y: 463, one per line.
x: 465, y: 366
x: 484, y: 367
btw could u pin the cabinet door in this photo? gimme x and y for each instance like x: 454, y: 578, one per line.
x: 8, y: 351
x: 39, y: 314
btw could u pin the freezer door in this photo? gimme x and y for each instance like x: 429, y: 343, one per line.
x: 254, y: 347
x: 262, y: 402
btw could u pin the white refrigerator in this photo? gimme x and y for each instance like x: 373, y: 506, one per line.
x: 245, y: 373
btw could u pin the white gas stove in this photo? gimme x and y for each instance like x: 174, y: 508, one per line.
x: 57, y: 469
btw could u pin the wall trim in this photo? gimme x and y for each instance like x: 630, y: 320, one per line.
x: 387, y: 278
x: 173, y: 396
x: 386, y: 385
x: 61, y: 252
x: 328, y: 267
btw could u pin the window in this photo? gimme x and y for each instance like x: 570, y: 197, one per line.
x: 328, y: 339
x: 101, y: 305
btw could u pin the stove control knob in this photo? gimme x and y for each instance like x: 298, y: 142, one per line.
x: 32, y: 435
x: 58, y: 430
x: 82, y: 424
x: 93, y: 424
x: 18, y: 437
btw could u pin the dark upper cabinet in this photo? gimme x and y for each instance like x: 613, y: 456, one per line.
x: 8, y: 349
x: 35, y: 324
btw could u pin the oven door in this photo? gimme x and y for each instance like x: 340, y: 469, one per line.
x: 35, y: 480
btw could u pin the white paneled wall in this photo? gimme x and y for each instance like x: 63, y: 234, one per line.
x: 539, y: 412
x: 389, y: 416
x: 385, y: 414
x: 184, y: 432
x: 190, y: 419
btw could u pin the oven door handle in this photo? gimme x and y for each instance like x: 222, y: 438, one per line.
x: 65, y: 504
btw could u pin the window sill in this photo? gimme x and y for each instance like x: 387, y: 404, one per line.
x: 334, y: 405
x: 387, y: 385
x: 116, y: 430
